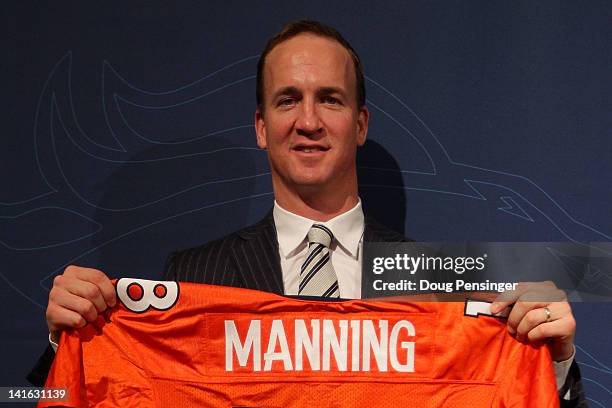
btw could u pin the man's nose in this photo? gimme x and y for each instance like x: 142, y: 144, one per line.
x: 308, y: 122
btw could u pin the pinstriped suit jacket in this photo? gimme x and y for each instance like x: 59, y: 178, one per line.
x: 248, y: 258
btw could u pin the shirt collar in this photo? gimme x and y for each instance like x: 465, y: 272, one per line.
x: 292, y: 229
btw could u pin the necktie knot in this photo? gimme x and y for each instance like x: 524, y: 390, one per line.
x: 320, y: 234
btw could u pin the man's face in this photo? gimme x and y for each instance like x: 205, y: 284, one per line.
x: 311, y: 124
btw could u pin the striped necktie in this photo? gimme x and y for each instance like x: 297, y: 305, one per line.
x: 317, y: 276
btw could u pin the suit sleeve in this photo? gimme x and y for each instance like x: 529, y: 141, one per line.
x: 40, y: 371
x: 573, y: 383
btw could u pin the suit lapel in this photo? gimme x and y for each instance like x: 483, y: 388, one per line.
x: 376, y: 232
x: 257, y: 257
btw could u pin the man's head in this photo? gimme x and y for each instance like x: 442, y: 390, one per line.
x: 295, y: 28
x: 311, y: 113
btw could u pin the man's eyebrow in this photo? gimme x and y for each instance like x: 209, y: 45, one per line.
x: 287, y: 90
x: 292, y: 90
x: 327, y: 90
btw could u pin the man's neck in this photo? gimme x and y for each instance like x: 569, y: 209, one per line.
x: 317, y: 206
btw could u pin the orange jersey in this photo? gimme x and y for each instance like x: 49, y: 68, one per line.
x: 195, y: 345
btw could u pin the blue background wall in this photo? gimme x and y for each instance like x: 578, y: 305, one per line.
x: 128, y: 133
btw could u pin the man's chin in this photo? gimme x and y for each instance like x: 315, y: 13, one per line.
x: 311, y: 181
x: 308, y: 179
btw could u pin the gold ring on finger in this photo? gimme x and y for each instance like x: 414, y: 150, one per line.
x: 547, y: 311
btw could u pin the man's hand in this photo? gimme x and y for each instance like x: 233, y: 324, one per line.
x: 77, y: 296
x: 540, y: 312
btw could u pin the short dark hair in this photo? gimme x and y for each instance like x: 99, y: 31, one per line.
x: 291, y: 30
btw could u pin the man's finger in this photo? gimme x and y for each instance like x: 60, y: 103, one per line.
x: 537, y: 292
x: 545, y: 297
x: 80, y: 305
x: 519, y: 312
x: 537, y: 316
x: 86, y: 290
x: 59, y: 318
x: 557, y: 328
x: 96, y: 277
x: 107, y: 289
x: 508, y: 297
x: 529, y: 299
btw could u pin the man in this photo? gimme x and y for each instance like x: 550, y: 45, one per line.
x: 311, y: 117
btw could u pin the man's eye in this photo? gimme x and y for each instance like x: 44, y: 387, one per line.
x: 331, y: 100
x: 286, y: 102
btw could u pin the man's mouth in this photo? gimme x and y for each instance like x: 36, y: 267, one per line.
x: 311, y: 149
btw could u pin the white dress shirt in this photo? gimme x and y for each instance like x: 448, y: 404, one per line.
x: 345, y: 251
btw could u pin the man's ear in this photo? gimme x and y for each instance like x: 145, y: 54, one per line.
x: 362, y: 125
x: 260, y: 129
